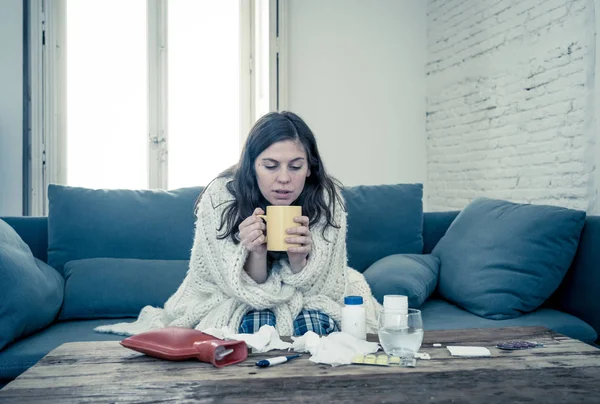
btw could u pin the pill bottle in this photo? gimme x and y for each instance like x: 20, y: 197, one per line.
x: 354, y: 318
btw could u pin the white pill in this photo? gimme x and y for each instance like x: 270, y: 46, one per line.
x: 437, y: 345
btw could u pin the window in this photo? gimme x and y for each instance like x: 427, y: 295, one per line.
x: 106, y: 99
x: 147, y: 93
x: 203, y: 89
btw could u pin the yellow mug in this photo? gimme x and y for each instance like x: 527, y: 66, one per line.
x: 279, y: 219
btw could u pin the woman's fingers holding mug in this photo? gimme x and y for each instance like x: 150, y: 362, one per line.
x: 252, y: 219
x: 260, y: 240
x: 254, y: 237
x: 303, y: 241
x: 300, y: 230
x: 249, y: 233
x: 252, y: 234
x: 303, y: 220
x: 254, y: 240
x: 304, y: 249
x: 258, y: 225
x: 300, y: 235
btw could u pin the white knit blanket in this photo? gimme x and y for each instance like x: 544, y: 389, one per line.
x: 217, y: 292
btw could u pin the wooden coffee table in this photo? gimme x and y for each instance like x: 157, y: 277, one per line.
x: 564, y: 370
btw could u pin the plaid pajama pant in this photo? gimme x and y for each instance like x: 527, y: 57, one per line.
x: 308, y: 320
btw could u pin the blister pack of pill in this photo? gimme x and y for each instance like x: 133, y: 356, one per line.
x: 382, y: 359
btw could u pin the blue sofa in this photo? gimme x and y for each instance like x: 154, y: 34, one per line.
x: 118, y: 245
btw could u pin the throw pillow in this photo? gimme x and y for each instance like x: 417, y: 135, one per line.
x: 118, y: 223
x: 31, y: 290
x: 412, y: 275
x: 383, y: 220
x: 500, y: 259
x: 117, y: 287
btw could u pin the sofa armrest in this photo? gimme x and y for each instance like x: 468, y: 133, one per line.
x: 33, y: 231
x: 578, y: 292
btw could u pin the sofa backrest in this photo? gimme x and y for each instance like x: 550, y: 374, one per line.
x: 398, y: 232
x: 119, y: 223
x: 153, y: 224
x: 578, y: 292
x: 34, y: 232
x: 383, y: 220
x: 435, y: 225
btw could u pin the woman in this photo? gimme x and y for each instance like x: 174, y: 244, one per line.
x: 233, y: 281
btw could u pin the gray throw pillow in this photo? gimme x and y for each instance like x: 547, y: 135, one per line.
x: 31, y: 291
x: 500, y: 259
x: 412, y: 275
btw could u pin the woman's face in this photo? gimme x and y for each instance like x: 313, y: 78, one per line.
x: 281, y: 171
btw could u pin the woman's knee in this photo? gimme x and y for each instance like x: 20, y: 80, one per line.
x: 255, y: 319
x: 315, y: 321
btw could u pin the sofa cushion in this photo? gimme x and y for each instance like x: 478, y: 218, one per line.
x: 31, y: 291
x: 23, y: 354
x: 440, y: 315
x: 146, y: 224
x: 412, y: 275
x: 500, y: 259
x: 118, y: 287
x: 383, y: 220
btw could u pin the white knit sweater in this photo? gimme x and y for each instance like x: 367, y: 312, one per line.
x: 218, y: 292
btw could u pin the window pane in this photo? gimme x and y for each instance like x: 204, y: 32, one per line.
x: 106, y: 63
x: 204, y: 89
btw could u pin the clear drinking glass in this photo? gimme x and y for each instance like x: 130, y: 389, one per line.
x: 400, y: 334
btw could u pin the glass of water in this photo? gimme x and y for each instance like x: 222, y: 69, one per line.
x: 400, y: 333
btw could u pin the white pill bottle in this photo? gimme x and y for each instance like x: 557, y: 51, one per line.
x: 354, y: 320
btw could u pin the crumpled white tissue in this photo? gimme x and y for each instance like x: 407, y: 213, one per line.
x: 337, y: 348
x: 266, y: 339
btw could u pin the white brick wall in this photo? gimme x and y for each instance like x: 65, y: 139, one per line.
x: 509, y: 102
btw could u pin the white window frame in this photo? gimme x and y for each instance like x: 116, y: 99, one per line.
x: 48, y: 89
x: 280, y: 89
x: 157, y: 94
x: 47, y: 147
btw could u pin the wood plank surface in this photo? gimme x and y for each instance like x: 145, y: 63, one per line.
x: 563, y: 370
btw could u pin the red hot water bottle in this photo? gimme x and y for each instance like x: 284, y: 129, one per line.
x: 178, y: 343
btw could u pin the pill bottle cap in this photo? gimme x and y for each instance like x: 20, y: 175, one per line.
x: 353, y: 300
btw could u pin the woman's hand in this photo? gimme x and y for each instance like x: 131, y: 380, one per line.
x: 252, y: 233
x: 299, y: 235
x: 252, y: 237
